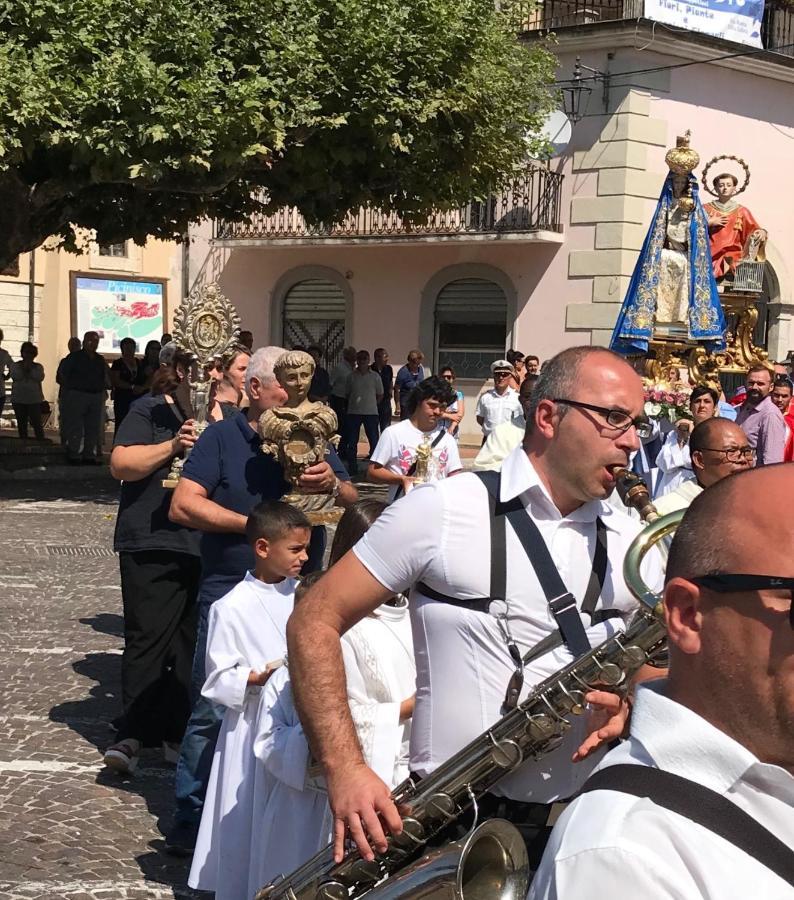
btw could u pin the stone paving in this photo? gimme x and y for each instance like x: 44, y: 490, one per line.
x: 68, y: 828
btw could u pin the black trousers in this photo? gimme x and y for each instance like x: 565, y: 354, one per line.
x: 29, y: 413
x: 352, y: 433
x: 384, y: 413
x: 159, y: 590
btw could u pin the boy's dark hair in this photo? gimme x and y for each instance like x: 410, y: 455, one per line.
x: 272, y: 520
x: 306, y: 582
x: 354, y: 523
x: 432, y: 388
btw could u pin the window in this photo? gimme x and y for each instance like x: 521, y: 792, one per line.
x: 116, y: 250
x: 471, y: 327
x: 314, y: 313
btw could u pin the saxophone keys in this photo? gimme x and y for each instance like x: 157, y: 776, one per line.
x: 332, y: 890
x: 363, y: 871
x: 576, y: 701
x: 440, y: 806
x: 411, y: 836
x: 610, y: 674
x: 635, y: 656
x: 506, y: 754
x: 541, y: 727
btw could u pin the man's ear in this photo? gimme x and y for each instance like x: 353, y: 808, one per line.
x: 683, y: 614
x: 546, y: 418
x: 697, y: 460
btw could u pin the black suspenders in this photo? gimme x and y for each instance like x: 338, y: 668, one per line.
x: 562, y: 604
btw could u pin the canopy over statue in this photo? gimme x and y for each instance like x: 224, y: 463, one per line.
x: 673, y: 293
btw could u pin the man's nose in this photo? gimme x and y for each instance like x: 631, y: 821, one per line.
x: 629, y: 439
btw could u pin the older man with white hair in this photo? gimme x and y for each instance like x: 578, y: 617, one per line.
x: 225, y: 476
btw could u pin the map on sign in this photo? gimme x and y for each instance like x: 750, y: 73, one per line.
x: 118, y: 309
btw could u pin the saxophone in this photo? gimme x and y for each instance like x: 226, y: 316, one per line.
x: 490, y: 862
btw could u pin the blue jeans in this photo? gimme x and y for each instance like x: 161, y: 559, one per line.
x: 198, y: 744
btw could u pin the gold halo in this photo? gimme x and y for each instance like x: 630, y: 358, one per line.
x: 716, y: 159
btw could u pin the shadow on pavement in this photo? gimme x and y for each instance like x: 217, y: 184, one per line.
x: 106, y: 623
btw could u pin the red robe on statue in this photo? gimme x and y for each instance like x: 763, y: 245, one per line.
x: 788, y: 450
x: 728, y: 240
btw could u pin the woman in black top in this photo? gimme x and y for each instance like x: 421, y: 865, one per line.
x: 126, y: 377
x: 160, y: 568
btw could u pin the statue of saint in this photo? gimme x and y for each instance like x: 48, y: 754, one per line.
x: 734, y: 233
x: 672, y: 293
x: 298, y: 433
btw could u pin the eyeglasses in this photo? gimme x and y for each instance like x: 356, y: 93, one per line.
x: 615, y: 418
x: 501, y: 375
x: 734, y: 454
x: 725, y: 583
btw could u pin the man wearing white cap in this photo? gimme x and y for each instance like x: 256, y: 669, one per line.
x: 500, y: 403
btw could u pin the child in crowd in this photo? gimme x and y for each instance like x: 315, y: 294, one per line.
x: 295, y: 821
x: 395, y: 459
x: 246, y: 642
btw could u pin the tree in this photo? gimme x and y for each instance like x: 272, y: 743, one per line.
x: 135, y: 117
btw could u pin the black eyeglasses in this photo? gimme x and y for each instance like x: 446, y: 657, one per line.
x: 726, y: 583
x: 615, y: 418
x: 734, y: 454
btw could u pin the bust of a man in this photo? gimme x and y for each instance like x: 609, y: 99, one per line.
x: 298, y: 433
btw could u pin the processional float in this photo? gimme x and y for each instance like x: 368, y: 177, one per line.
x: 692, y: 302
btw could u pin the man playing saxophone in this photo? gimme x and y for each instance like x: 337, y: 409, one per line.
x: 481, y: 558
x: 698, y: 803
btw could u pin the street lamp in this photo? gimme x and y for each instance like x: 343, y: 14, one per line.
x: 576, y: 95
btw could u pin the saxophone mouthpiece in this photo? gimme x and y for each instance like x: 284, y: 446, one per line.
x: 634, y: 493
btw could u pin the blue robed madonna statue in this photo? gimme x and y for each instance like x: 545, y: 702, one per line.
x: 672, y: 294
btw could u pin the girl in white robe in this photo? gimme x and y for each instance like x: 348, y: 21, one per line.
x: 381, y: 680
x: 246, y: 638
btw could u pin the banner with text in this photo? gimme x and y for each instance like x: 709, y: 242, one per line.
x: 733, y: 20
x: 119, y: 308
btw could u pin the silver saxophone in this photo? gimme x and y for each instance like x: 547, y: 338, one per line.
x: 490, y: 863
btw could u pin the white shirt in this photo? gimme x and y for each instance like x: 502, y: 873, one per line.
x: 500, y: 444
x: 674, y: 463
x: 624, y: 847
x: 680, y: 498
x: 496, y: 408
x: 340, y: 379
x: 26, y: 383
x: 439, y: 534
x: 396, y: 451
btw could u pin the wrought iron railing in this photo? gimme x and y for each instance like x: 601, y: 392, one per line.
x: 530, y: 202
x: 777, y: 30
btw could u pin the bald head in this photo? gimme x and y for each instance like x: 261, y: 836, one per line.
x: 719, y: 533
x: 732, y: 650
x: 718, y: 448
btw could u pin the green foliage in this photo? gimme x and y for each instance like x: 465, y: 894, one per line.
x: 135, y: 117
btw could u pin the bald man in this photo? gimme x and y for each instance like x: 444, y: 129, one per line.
x: 718, y: 448
x: 722, y: 722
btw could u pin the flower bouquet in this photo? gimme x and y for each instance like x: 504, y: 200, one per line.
x: 665, y: 402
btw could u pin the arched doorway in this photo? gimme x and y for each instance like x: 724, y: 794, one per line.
x: 471, y: 326
x: 314, y: 312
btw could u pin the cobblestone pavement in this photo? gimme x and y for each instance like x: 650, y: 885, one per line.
x: 68, y: 828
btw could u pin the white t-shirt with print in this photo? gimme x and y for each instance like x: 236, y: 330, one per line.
x: 397, y: 446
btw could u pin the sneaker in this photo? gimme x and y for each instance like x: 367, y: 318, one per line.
x: 171, y: 751
x: 122, y: 757
x: 181, y: 839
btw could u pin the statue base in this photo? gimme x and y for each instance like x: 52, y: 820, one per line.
x: 319, y: 509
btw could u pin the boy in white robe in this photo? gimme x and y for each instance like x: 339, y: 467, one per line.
x: 294, y: 822
x: 246, y: 642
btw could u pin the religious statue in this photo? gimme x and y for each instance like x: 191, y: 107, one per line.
x: 672, y: 293
x: 298, y: 434
x: 734, y: 233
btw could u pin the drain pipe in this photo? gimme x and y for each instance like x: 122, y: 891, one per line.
x: 32, y: 295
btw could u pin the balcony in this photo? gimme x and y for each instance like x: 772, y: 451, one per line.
x: 777, y: 29
x: 527, y: 209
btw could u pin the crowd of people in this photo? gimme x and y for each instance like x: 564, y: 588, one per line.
x: 294, y: 695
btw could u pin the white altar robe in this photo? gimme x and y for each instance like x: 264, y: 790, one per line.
x: 247, y: 630
x: 675, y: 464
x: 292, y: 820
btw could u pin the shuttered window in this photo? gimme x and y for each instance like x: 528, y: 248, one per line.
x: 314, y: 313
x: 471, y: 326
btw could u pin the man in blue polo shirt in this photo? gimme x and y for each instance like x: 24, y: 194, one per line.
x: 225, y: 476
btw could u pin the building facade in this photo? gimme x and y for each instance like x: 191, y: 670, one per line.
x: 40, y: 305
x: 545, y: 264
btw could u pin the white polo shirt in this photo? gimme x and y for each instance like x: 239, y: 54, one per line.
x: 439, y: 534
x: 628, y: 847
x: 495, y: 408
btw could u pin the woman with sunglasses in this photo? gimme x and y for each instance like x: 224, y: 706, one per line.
x: 453, y: 414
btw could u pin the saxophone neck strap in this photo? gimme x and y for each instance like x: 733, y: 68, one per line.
x: 702, y: 806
